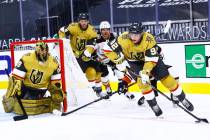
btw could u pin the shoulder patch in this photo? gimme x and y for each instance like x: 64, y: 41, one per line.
x: 73, y: 24
x: 149, y: 39
x: 27, y: 54
x: 125, y: 36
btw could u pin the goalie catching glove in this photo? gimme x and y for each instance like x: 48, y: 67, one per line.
x: 56, y: 92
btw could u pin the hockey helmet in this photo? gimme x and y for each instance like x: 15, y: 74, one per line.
x: 83, y: 16
x: 104, y: 25
x: 135, y: 28
x: 41, y: 51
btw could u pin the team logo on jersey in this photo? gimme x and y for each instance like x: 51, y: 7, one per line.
x: 80, y: 44
x: 36, y: 76
x: 137, y: 55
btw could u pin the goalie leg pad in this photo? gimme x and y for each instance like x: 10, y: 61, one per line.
x: 55, y: 105
x: 34, y: 107
x: 8, y: 104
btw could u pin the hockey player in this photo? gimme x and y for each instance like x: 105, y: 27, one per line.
x: 34, y: 74
x: 81, y: 35
x: 139, y: 49
x: 101, y: 52
x: 153, y: 81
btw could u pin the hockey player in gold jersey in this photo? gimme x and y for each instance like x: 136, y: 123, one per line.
x: 139, y: 48
x: 34, y: 74
x: 81, y: 35
x: 100, y: 52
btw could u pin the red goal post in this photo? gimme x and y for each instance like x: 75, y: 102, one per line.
x: 29, y: 45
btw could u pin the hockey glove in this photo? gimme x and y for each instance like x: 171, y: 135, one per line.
x: 56, y: 92
x: 122, y: 87
x: 86, y: 56
x: 14, y: 87
x: 144, y: 77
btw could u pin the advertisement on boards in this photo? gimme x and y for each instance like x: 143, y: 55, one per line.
x: 197, y: 61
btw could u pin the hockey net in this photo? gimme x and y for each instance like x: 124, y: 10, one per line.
x: 73, y: 80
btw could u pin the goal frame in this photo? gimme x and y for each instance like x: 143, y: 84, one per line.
x: 61, y: 45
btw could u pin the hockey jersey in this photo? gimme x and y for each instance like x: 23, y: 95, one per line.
x: 37, y: 74
x: 144, y: 51
x: 80, y: 38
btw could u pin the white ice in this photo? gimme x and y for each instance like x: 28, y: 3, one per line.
x: 114, y: 119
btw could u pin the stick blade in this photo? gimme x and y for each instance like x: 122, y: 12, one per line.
x: 205, y: 120
x: 202, y: 120
x: 19, y: 118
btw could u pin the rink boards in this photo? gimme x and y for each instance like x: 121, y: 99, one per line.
x: 190, y: 61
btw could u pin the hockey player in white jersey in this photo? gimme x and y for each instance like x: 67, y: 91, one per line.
x: 103, y: 53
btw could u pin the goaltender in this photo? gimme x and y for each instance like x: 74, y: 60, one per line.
x: 35, y: 74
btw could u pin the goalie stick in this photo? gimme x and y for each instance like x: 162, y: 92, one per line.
x: 198, y: 120
x: 74, y: 110
x: 20, y: 117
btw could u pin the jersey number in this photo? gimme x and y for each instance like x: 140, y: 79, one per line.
x: 153, y: 51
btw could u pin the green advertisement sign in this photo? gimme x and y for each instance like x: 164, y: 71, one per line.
x: 196, y: 61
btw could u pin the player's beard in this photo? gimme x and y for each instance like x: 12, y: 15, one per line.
x: 83, y: 26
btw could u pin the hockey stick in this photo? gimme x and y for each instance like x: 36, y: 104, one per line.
x: 72, y: 111
x: 21, y: 117
x: 166, y: 29
x: 154, y: 88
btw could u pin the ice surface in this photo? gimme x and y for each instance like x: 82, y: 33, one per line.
x: 114, y: 119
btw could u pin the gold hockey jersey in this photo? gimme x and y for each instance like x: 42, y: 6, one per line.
x: 80, y: 38
x: 144, y: 51
x: 37, y: 74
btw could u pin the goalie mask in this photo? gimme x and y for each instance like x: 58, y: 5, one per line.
x: 41, y: 51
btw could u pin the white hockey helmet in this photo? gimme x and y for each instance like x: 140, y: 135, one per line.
x: 104, y: 25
